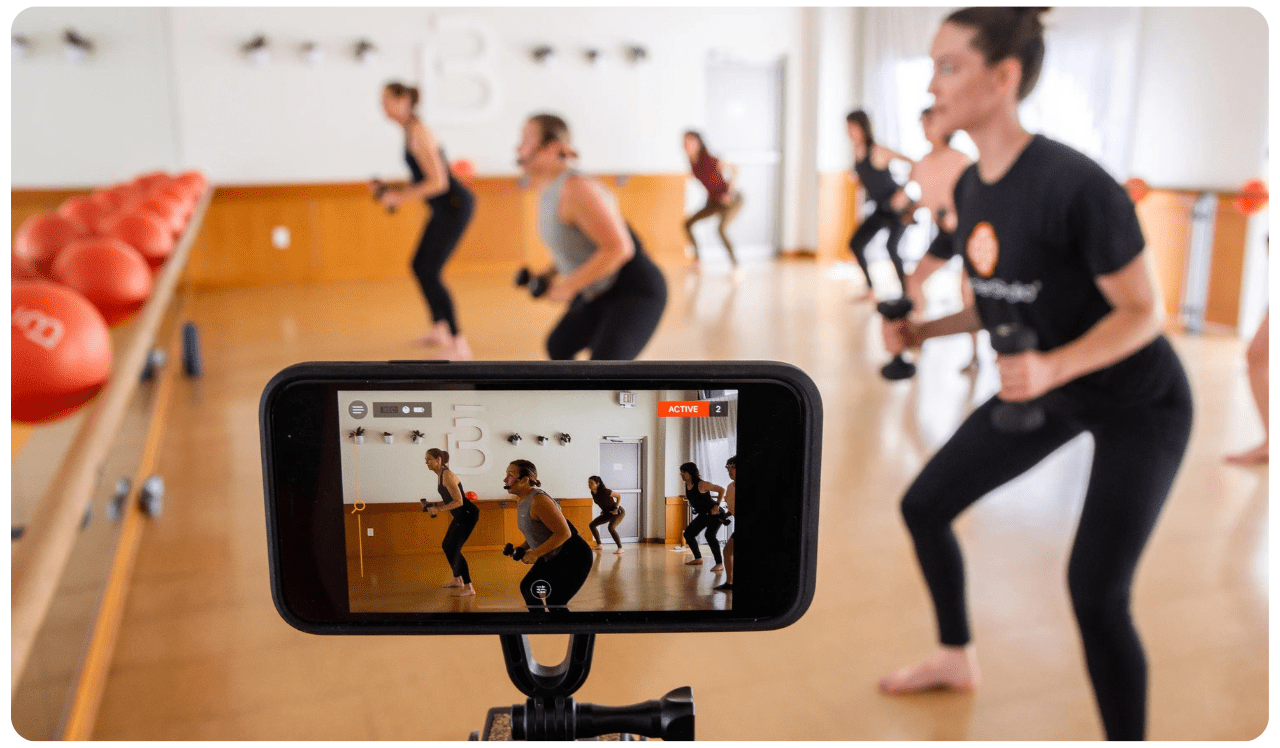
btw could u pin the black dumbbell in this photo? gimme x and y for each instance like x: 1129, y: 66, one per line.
x: 724, y: 515
x: 428, y: 505
x: 1015, y: 418
x: 899, y: 367
x: 515, y: 553
x: 379, y: 189
x: 538, y: 284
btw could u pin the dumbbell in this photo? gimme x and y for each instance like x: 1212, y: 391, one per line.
x: 427, y: 506
x: 379, y: 189
x: 724, y: 515
x: 1015, y: 418
x: 892, y: 311
x: 515, y: 553
x: 538, y: 284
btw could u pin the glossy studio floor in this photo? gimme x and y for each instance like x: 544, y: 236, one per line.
x: 203, y: 654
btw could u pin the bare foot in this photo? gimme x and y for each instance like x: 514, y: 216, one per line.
x: 452, y: 583
x: 954, y: 668
x: 466, y: 591
x: 718, y: 567
x: 462, y: 351
x: 598, y: 548
x: 693, y: 562
x: 1255, y: 456
x: 439, y: 335
x: 618, y: 552
x: 456, y: 349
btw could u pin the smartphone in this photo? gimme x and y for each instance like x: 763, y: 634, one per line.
x: 366, y: 531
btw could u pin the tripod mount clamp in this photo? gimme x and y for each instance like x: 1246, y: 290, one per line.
x: 550, y: 713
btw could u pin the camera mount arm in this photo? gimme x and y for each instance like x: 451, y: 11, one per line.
x: 551, y: 713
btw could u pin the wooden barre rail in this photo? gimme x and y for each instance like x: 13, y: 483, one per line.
x: 41, y: 555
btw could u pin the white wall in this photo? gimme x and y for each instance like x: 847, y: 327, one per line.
x: 104, y: 120
x: 289, y: 122
x: 837, y: 64
x: 1202, y: 97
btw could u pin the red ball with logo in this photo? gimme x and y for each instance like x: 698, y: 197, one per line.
x: 61, y: 351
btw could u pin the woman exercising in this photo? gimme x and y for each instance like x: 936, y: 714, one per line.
x: 616, y: 294
x: 731, y: 501
x: 611, y: 511
x: 561, y: 559
x: 705, y: 510
x: 871, y: 164
x: 723, y: 198
x: 451, y: 206
x: 465, y: 516
x: 937, y: 173
x: 1052, y: 242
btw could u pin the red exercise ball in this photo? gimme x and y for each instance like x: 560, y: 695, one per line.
x: 1253, y: 195
x: 179, y: 197
x: 193, y: 181
x: 144, y: 232
x: 463, y: 168
x: 41, y: 237
x: 109, y: 273
x: 21, y: 270
x: 167, y: 210
x: 1137, y: 188
x: 149, y: 180
x: 85, y: 210
x: 61, y: 351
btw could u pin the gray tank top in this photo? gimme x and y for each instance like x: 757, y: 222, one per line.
x: 570, y: 248
x: 535, y: 533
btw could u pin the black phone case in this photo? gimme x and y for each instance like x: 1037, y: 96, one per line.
x: 382, y: 372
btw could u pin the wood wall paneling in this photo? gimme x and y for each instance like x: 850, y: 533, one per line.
x: 348, y: 236
x: 838, y: 214
x: 403, y: 529
x: 675, y: 519
x: 1165, y: 217
x: 1226, y: 273
x: 235, y: 244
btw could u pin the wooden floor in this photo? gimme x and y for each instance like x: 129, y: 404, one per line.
x: 646, y: 576
x: 204, y: 655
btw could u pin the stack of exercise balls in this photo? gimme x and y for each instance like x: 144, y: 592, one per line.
x: 79, y: 270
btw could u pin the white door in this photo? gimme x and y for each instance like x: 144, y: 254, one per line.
x: 744, y: 127
x: 622, y: 470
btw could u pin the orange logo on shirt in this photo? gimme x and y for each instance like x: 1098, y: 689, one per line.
x: 983, y: 249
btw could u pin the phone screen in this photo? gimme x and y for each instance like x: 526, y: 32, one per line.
x: 506, y: 501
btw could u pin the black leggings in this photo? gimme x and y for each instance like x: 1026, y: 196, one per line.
x: 711, y: 525
x: 563, y: 575
x: 618, y: 324
x: 612, y: 520
x: 459, y: 530
x: 880, y: 219
x: 449, y: 220
x: 1136, y: 453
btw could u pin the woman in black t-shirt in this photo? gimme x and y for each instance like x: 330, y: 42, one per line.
x: 1052, y: 242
